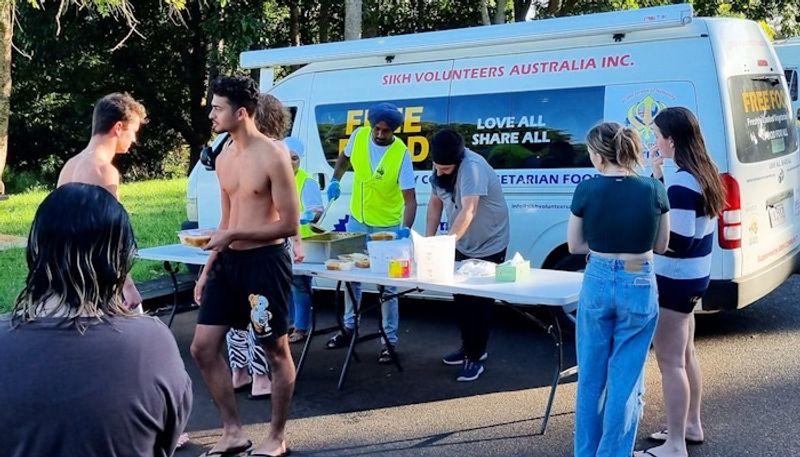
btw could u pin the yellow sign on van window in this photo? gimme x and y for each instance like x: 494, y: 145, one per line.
x: 412, y: 123
x: 763, y: 100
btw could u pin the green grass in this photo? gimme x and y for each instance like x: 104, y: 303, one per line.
x: 157, y: 209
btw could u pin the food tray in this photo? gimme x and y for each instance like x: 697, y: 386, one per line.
x: 319, y: 248
x: 186, y: 237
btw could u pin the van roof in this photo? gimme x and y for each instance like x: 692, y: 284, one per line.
x: 512, y: 33
x: 791, y: 41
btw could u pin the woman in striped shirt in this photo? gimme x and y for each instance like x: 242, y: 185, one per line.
x: 696, y: 196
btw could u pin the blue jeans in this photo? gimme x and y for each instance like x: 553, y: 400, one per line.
x: 390, y: 311
x: 301, y: 301
x: 617, y: 315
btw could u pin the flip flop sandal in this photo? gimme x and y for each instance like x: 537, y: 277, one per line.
x: 285, y: 454
x: 662, y: 436
x: 250, y: 396
x: 297, y: 336
x: 231, y: 451
x: 645, y: 452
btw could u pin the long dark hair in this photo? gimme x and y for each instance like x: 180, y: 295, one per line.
x: 80, y: 249
x: 680, y: 125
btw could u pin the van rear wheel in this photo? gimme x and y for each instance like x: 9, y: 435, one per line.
x: 568, y: 313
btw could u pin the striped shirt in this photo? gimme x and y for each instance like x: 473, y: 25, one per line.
x: 683, y: 271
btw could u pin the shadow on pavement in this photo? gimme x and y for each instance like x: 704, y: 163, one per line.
x: 521, y: 356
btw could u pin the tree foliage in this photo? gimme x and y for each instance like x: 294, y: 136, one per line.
x: 180, y: 45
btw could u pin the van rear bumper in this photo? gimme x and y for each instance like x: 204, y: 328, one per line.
x: 730, y: 294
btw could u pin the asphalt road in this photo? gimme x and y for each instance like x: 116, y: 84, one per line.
x: 751, y: 405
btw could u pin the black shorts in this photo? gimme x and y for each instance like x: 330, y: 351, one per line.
x: 250, y: 286
x: 683, y: 305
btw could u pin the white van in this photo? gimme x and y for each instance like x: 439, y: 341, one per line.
x: 789, y: 54
x: 524, y: 95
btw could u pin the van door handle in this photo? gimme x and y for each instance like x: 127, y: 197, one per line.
x: 321, y: 180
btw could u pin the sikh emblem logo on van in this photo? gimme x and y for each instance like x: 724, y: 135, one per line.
x: 781, y: 176
x: 753, y: 229
x: 640, y: 117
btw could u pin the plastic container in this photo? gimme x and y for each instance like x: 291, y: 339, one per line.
x: 400, y: 268
x: 381, y: 252
x: 435, y: 257
x: 338, y: 265
x: 195, y: 237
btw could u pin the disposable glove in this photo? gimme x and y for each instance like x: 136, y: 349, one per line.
x: 306, y: 217
x: 334, y: 190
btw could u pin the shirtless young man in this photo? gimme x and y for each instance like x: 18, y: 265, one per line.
x: 115, y: 122
x: 249, y: 266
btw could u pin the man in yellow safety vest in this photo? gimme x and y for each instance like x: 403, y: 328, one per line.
x: 383, y: 199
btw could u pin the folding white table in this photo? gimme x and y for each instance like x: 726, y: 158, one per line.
x: 551, y: 288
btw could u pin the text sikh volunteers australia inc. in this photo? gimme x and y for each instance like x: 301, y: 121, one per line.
x: 499, y: 71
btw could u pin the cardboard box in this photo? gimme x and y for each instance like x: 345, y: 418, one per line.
x: 506, y: 272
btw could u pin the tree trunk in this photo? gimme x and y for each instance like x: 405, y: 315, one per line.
x: 294, y: 24
x: 199, y: 74
x: 352, y: 19
x: 420, y: 15
x: 6, y: 34
x: 500, y: 14
x: 553, y: 8
x: 485, y: 12
x: 324, y: 20
x: 521, y: 8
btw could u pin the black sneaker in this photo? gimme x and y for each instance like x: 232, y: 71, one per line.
x: 385, y: 356
x: 457, y: 358
x: 340, y: 340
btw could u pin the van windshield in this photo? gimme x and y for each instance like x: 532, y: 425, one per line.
x: 763, y: 124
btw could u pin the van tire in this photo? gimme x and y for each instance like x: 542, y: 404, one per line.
x: 567, y: 314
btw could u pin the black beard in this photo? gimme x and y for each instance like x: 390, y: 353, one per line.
x: 382, y: 142
x: 446, y: 182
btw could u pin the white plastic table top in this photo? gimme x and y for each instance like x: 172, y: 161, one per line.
x: 543, y: 287
x: 175, y: 253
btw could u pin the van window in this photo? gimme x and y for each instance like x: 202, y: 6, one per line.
x: 763, y: 124
x: 292, y: 118
x: 536, y: 129
x: 421, y: 119
x: 791, y: 81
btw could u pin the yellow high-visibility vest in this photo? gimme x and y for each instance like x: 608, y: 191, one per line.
x: 377, y: 198
x: 300, y: 179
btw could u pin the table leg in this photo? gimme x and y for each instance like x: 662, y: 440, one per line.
x: 353, y: 336
x: 173, y: 275
x: 310, y: 334
x: 559, y: 373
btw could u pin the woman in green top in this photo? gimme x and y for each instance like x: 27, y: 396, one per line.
x: 619, y: 219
